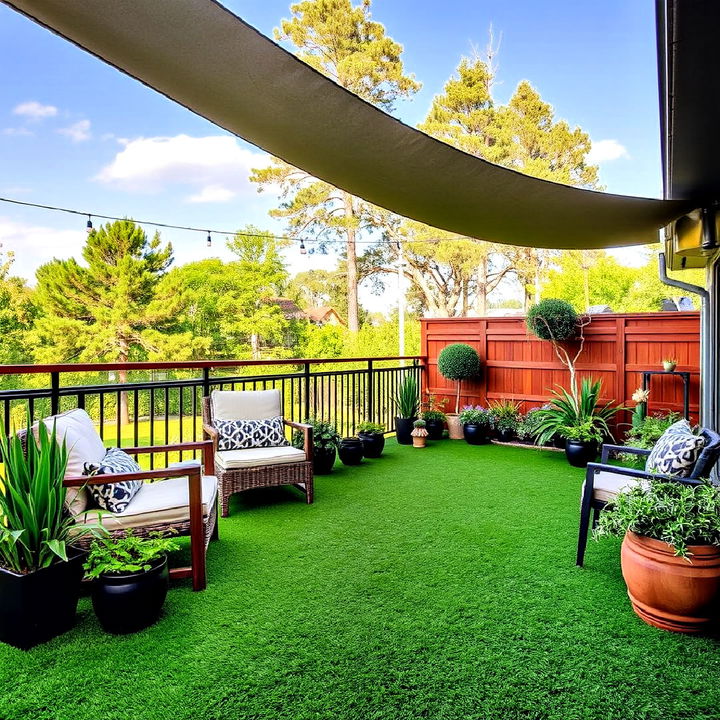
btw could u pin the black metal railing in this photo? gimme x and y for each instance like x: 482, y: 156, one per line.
x: 141, y: 404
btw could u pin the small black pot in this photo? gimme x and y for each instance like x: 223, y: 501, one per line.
x: 505, y: 435
x: 475, y: 434
x: 130, y: 602
x: 435, y: 429
x: 40, y: 605
x: 373, y: 444
x: 351, y: 451
x: 403, y: 428
x: 558, y: 441
x: 579, y: 453
x: 323, y: 460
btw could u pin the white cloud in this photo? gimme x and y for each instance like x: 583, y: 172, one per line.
x: 212, y: 194
x: 35, y: 110
x: 37, y: 244
x: 603, y: 151
x: 77, y: 132
x: 17, y: 131
x: 217, y: 167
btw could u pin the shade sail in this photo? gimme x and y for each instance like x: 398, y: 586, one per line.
x: 199, y: 54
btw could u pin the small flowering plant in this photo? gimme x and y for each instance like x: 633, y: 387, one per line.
x: 476, y: 415
x: 640, y: 398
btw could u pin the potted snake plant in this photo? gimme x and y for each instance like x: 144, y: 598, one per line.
x: 407, y: 403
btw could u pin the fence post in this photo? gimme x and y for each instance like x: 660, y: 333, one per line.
x: 370, y: 398
x: 54, y: 392
x: 306, y: 391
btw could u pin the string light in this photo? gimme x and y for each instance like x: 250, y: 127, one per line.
x: 209, y: 240
x: 303, y: 251
x: 88, y: 226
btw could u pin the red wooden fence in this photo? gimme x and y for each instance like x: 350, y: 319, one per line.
x: 518, y: 366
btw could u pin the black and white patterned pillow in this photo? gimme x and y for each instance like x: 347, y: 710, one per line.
x: 681, y: 427
x: 114, y: 497
x: 245, y: 434
x: 675, y: 453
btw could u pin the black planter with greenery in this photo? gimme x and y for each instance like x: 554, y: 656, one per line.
x: 505, y: 435
x: 325, y: 442
x: 434, y: 423
x: 408, y: 403
x: 40, y: 572
x: 350, y: 451
x: 475, y: 434
x: 581, y: 452
x: 506, y: 417
x: 372, y: 436
x: 477, y: 424
x: 130, y: 580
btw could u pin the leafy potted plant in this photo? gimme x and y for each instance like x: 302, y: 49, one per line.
x: 477, y: 424
x: 350, y: 451
x: 325, y: 442
x: 408, y: 404
x: 640, y: 398
x: 506, y: 418
x: 40, y: 571
x: 434, y: 416
x: 419, y: 434
x: 527, y: 429
x: 372, y: 436
x: 131, y: 580
x: 645, y: 434
x: 669, y: 364
x: 582, y: 441
x: 670, y: 553
x: 458, y: 362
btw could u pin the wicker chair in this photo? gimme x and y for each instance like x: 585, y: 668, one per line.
x: 182, y: 502
x: 240, y: 470
x: 604, y: 481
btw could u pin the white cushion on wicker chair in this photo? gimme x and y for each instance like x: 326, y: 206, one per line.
x: 160, y: 503
x: 246, y: 404
x: 608, y: 484
x: 251, y: 457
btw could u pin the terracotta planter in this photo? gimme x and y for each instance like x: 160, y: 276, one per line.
x: 667, y: 591
x: 419, y: 442
x: 455, y: 428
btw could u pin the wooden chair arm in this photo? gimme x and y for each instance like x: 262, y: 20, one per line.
x: 205, y: 445
x: 213, y: 434
x: 608, y: 448
x: 160, y: 473
x: 307, y: 432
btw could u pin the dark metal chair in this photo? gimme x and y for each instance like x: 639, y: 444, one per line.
x: 604, y: 481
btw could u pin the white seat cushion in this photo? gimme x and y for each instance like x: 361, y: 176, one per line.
x: 608, y: 484
x: 159, y: 503
x: 246, y: 404
x: 252, y: 457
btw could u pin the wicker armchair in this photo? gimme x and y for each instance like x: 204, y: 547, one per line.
x: 240, y: 470
x: 183, y: 501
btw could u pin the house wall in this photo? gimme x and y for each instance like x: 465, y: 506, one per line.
x: 516, y: 365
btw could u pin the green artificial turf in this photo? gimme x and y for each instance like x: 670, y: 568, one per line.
x: 436, y: 583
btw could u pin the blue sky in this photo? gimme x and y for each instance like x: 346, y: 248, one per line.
x: 77, y: 133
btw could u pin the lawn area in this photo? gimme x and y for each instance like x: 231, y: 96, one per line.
x: 426, y: 584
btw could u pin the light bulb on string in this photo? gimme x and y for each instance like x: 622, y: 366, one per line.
x: 89, y: 225
x: 209, y: 240
x: 303, y: 251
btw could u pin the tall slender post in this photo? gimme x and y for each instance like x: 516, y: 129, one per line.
x: 54, y: 392
x: 401, y: 304
x: 306, y: 391
x: 370, y: 399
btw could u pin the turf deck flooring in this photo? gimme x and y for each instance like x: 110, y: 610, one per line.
x: 427, y: 584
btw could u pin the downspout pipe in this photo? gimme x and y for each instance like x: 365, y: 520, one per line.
x: 707, y: 357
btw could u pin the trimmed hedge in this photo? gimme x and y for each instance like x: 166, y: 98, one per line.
x: 553, y: 319
x: 459, y: 362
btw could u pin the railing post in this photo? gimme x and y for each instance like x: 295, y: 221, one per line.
x: 306, y: 391
x: 54, y: 392
x: 206, y: 382
x: 370, y: 398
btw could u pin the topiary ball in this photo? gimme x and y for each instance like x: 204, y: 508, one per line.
x: 459, y: 362
x: 553, y: 319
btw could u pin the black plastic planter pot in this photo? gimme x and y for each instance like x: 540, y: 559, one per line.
x: 128, y: 603
x: 579, y: 454
x: 475, y: 434
x: 373, y: 444
x: 351, y: 451
x: 40, y: 605
x: 558, y: 441
x: 403, y: 428
x: 323, y: 460
x: 506, y: 436
x: 435, y: 429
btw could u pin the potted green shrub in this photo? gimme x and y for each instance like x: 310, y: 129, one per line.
x: 131, y: 580
x: 669, y: 364
x: 325, y: 442
x: 582, y: 441
x: 670, y: 554
x: 407, y: 403
x: 477, y: 424
x: 458, y: 362
x: 419, y: 434
x: 350, y: 450
x: 434, y: 416
x: 506, y: 418
x: 372, y: 436
x: 645, y: 434
x: 40, y: 570
x: 527, y: 429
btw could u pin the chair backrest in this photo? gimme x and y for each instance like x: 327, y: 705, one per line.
x: 244, y: 404
x: 708, y: 456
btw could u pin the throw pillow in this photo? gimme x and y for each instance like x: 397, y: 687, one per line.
x: 245, y: 434
x: 675, y: 453
x: 114, y: 497
x: 681, y: 426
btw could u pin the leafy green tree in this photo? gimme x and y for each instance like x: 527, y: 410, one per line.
x: 17, y: 314
x: 104, y: 310
x: 316, y: 288
x: 342, y: 41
